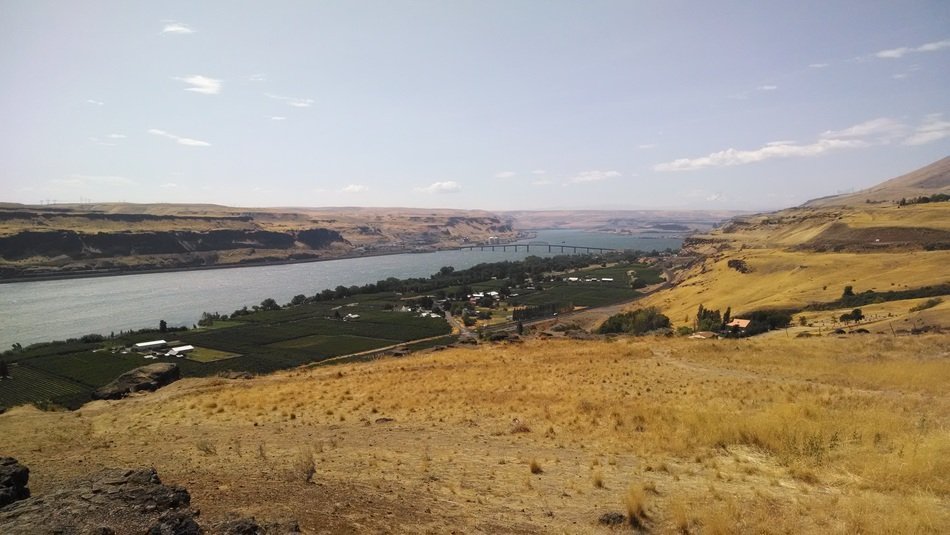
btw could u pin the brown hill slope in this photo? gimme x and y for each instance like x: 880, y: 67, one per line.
x: 800, y: 256
x: 753, y: 436
x: 928, y: 180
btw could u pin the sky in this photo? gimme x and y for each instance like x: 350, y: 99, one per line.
x: 499, y: 105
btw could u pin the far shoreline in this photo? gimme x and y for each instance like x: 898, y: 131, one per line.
x: 52, y: 276
x: 119, y: 272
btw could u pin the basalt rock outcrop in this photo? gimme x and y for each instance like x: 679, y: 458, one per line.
x: 110, y: 501
x: 13, y: 480
x: 147, y: 378
x: 121, y: 501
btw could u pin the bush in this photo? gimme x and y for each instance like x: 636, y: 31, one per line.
x: 930, y: 303
x: 635, y: 322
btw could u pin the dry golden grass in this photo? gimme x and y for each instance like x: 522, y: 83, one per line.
x: 768, y: 435
x: 782, y: 276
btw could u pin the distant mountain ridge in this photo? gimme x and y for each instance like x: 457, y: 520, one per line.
x: 928, y: 180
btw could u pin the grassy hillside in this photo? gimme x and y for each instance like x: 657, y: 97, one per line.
x: 928, y: 180
x: 801, y: 256
x: 752, y: 436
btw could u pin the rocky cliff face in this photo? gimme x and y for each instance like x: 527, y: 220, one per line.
x: 101, y: 245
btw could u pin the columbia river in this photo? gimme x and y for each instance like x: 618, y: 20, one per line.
x: 42, y: 311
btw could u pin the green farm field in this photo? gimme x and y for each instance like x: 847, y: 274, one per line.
x: 66, y: 373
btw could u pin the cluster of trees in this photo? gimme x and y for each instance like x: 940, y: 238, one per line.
x: 768, y: 320
x: 635, y: 322
x: 855, y: 315
x: 711, y: 320
x: 760, y: 321
x: 851, y: 299
x: 936, y: 197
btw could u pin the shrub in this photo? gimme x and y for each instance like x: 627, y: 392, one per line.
x: 635, y: 322
x: 930, y: 303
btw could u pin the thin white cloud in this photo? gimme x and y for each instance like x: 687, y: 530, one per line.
x: 593, y: 176
x: 731, y: 157
x: 767, y: 87
x: 647, y: 146
x: 257, y: 78
x: 292, y: 101
x: 169, y: 185
x: 277, y: 118
x: 354, y: 188
x: 449, y: 186
x: 201, y: 84
x: 880, y: 131
x: 876, y: 132
x: 933, y: 128
x: 176, y: 27
x: 818, y: 65
x: 543, y: 182
x: 181, y: 140
x: 116, y: 136
x: 539, y: 172
x: 95, y: 102
x: 505, y: 174
x: 899, y: 76
x: 896, y: 53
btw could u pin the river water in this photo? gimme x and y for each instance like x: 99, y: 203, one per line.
x: 55, y: 310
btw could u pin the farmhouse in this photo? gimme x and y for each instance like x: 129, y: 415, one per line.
x: 148, y: 346
x: 738, y: 323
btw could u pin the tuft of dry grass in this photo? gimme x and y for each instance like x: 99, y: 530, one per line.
x: 635, y: 502
x: 535, y: 467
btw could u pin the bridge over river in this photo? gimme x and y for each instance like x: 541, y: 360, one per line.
x: 538, y: 246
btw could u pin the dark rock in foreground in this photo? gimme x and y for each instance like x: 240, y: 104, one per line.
x: 147, y: 378
x: 110, y: 501
x: 13, y: 480
x: 117, y: 502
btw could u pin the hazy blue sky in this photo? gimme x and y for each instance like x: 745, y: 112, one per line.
x: 497, y: 105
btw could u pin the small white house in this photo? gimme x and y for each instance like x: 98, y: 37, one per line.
x: 154, y: 344
x: 179, y: 351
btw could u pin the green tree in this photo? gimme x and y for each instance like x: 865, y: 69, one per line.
x: 162, y: 326
x: 848, y: 291
x: 635, y: 322
x: 269, y: 304
x: 298, y: 299
x: 4, y: 371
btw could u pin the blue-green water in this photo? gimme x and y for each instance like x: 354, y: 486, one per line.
x: 55, y: 310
